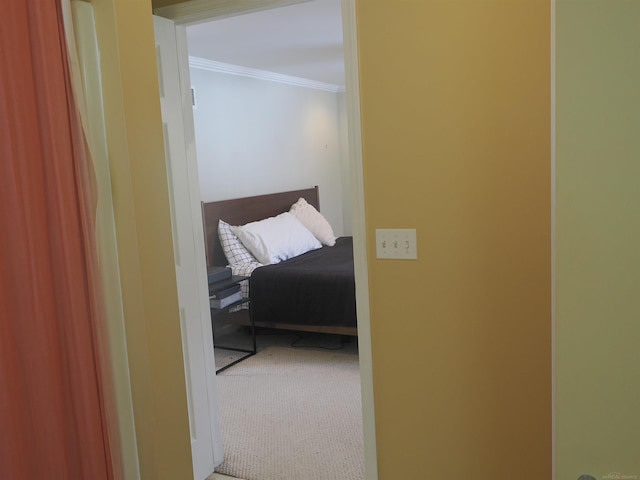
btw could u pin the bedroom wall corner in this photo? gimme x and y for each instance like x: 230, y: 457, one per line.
x: 345, y: 163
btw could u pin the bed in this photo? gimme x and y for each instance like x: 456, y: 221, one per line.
x: 313, y: 292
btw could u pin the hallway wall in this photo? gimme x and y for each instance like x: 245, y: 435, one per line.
x: 456, y: 142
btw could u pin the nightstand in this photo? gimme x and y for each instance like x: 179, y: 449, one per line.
x: 218, y: 315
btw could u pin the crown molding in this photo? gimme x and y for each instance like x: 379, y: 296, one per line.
x: 213, y: 66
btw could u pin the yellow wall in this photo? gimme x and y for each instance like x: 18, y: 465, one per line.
x: 598, y: 237
x: 141, y: 209
x: 456, y: 122
x: 456, y: 137
x: 456, y: 143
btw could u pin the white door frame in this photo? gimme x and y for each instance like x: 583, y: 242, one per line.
x: 198, y: 11
x: 188, y: 240
x: 359, y: 225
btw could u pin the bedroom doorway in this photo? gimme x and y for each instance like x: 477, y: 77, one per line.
x: 183, y: 16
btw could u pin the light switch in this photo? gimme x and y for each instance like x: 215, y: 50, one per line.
x: 396, y: 243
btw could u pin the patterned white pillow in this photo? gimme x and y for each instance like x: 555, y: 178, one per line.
x: 245, y: 270
x: 233, y: 249
x: 314, y: 221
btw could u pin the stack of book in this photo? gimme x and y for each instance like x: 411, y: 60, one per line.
x: 218, y: 274
x: 223, y: 291
x: 225, y: 297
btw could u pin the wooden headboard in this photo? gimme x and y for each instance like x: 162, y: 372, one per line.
x: 239, y: 211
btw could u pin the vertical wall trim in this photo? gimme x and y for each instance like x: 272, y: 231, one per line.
x: 87, y: 60
x: 352, y: 82
x: 554, y: 446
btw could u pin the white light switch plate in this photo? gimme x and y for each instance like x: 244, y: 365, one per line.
x: 396, y: 243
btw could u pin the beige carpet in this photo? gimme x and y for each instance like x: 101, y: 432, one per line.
x: 292, y: 414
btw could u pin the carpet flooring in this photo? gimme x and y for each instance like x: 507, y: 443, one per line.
x: 292, y: 414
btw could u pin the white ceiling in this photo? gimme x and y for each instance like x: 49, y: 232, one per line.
x: 303, y: 40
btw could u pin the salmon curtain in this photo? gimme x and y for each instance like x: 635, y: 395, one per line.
x: 54, y: 382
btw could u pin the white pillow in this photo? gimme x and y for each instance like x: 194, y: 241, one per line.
x: 233, y: 249
x: 275, y: 239
x: 314, y: 221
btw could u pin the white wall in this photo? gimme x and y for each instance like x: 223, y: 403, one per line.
x: 257, y: 136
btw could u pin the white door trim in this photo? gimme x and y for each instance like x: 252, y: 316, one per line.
x: 188, y: 240
x: 197, y: 11
x: 196, y: 219
x: 350, y: 47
